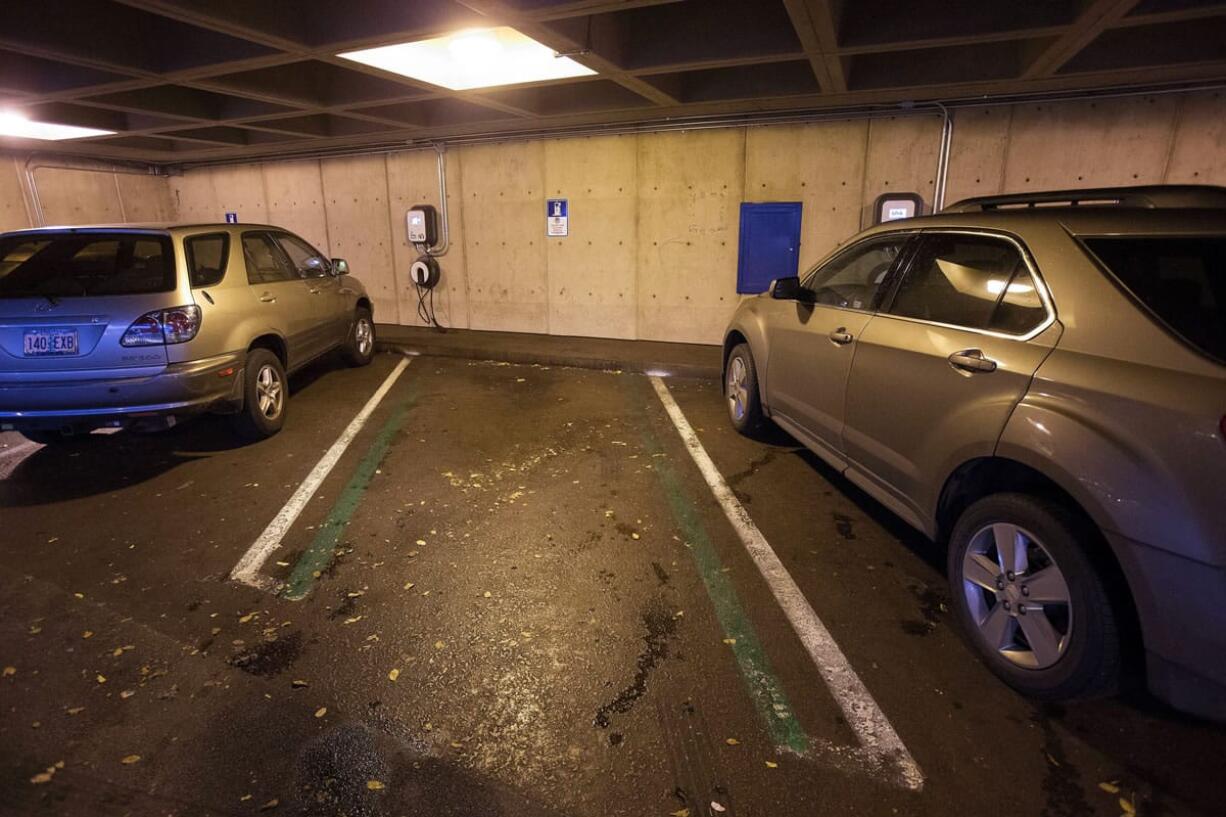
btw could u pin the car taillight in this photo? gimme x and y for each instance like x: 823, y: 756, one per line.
x: 162, y: 326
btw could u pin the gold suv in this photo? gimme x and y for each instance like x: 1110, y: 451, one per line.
x: 1039, y: 381
x: 123, y: 325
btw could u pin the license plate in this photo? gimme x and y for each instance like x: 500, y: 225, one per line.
x: 50, y: 342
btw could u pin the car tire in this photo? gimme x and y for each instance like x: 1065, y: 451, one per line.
x: 360, y: 345
x: 741, y: 391
x: 1044, y: 649
x: 265, y: 394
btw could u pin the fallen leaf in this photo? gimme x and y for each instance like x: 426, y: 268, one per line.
x: 681, y: 812
x: 374, y: 785
x: 87, y: 634
x: 1109, y: 787
x: 246, y: 618
x: 128, y: 760
x: 770, y: 764
x: 118, y: 651
x: 732, y: 742
x: 439, y: 645
x: 634, y: 536
x: 75, y: 710
x: 8, y: 671
x: 323, y: 710
x: 421, y: 541
x: 393, y: 675
x: 729, y: 641
x: 271, y: 804
x: 408, y: 585
x: 100, y: 679
x: 1127, y: 806
x: 298, y: 684
x: 487, y: 594
x: 455, y: 744
x: 127, y: 693
x: 716, y: 807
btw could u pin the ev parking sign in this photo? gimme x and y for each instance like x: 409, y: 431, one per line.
x: 557, y: 219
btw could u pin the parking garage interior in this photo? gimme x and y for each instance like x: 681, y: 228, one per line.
x: 521, y: 563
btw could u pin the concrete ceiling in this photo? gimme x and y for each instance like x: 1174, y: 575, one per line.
x: 196, y: 80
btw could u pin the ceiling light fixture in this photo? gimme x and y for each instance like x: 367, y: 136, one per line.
x: 474, y: 58
x: 21, y: 126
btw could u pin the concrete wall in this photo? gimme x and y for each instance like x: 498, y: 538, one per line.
x: 652, y: 249
x: 80, y: 196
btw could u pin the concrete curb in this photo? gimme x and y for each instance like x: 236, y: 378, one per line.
x: 580, y: 361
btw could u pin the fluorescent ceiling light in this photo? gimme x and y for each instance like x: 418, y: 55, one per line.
x: 475, y: 58
x: 15, y: 124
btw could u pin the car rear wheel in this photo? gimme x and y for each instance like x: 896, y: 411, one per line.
x: 360, y: 348
x: 741, y: 390
x: 1029, y: 599
x: 265, y: 390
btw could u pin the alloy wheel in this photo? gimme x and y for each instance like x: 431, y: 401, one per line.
x: 270, y: 394
x: 363, y: 336
x: 1017, y: 596
x: 738, y: 393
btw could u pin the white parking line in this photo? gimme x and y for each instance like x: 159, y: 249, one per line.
x: 247, y: 571
x: 874, y: 731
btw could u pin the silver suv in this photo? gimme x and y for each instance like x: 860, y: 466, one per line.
x: 1039, y: 381
x: 140, y: 325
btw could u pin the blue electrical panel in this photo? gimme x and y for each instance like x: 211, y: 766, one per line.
x: 769, y: 244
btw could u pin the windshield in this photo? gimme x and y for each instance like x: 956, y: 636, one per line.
x: 69, y: 265
x: 1180, y: 279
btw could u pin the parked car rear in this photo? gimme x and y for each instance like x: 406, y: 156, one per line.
x: 142, y: 325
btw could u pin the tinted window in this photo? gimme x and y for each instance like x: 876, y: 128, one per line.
x: 266, y: 264
x: 206, y: 258
x: 976, y: 282
x: 72, y: 265
x: 853, y: 280
x: 303, y: 256
x: 1181, y: 280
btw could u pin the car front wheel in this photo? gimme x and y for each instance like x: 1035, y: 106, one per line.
x: 741, y: 390
x: 360, y: 347
x: 1029, y: 599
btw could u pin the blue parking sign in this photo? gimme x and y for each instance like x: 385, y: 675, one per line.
x: 557, y: 217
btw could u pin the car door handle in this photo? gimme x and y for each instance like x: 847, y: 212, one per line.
x: 268, y: 298
x: 840, y: 336
x: 972, y: 360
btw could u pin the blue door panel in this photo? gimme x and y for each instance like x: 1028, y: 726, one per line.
x: 769, y: 244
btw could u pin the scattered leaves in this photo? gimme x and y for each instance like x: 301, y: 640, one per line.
x: 270, y: 805
x: 439, y: 645
x: 770, y: 764
x: 87, y: 634
x: 730, y: 641
x: 246, y: 618
x: 732, y: 741
x: 374, y: 785
x: 323, y: 710
x: 128, y: 760
x: 1127, y: 805
x: 100, y: 678
x: 1109, y: 787
x: 717, y: 807
x: 681, y: 812
x: 75, y: 710
x: 353, y: 619
x: 393, y: 675
x: 127, y: 693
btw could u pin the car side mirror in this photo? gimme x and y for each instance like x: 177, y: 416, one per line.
x: 340, y: 266
x: 785, y: 289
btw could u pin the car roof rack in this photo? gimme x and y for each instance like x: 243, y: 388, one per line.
x: 1158, y: 196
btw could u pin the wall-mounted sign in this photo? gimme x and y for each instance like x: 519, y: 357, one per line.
x: 231, y: 218
x: 557, y: 218
x: 893, y: 206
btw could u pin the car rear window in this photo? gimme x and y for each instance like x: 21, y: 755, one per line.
x: 72, y: 265
x: 206, y: 258
x: 1180, y: 280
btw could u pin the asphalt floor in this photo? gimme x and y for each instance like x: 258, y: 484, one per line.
x: 514, y: 594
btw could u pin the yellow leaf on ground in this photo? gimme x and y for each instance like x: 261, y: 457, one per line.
x: 729, y: 641
x: 770, y: 764
x: 1127, y: 806
x: 87, y: 634
x: 323, y: 710
x: 1109, y: 787
x: 100, y: 679
x: 246, y: 618
x: 681, y: 812
x: 271, y: 804
x: 43, y: 777
x: 128, y: 760
x: 439, y: 645
x: 298, y: 684
x: 8, y: 671
x: 353, y: 620
x: 118, y: 651
x: 75, y: 710
x: 732, y: 742
x: 374, y: 785
x: 393, y: 675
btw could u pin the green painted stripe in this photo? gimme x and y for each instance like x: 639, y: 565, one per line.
x: 763, y: 686
x: 315, y: 559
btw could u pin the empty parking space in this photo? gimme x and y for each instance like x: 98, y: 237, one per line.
x: 514, y: 593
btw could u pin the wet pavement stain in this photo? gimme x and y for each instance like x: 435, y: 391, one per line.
x: 932, y: 607
x: 843, y: 525
x: 661, y: 626
x: 269, y: 657
x: 1062, y: 788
